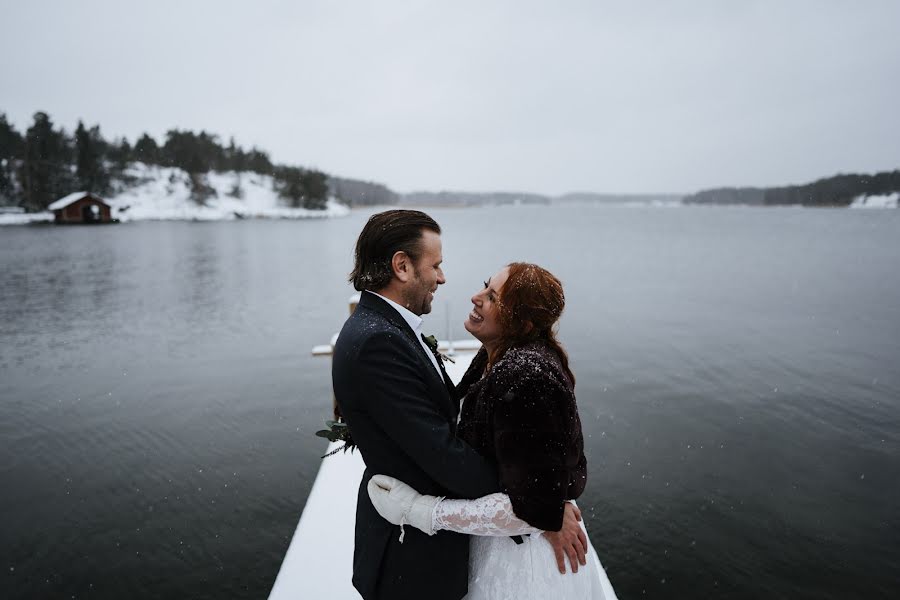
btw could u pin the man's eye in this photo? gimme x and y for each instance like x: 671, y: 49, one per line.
x: 485, y: 284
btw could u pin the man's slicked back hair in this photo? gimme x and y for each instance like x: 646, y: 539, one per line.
x: 385, y: 234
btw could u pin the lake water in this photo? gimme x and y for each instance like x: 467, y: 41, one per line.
x: 738, y: 379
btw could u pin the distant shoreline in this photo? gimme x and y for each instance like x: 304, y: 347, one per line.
x: 46, y: 218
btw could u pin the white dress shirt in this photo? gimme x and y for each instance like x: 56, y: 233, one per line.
x: 415, y: 323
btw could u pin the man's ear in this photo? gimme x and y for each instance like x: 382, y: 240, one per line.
x: 402, y: 266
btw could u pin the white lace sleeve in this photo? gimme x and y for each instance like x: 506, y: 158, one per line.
x: 489, y: 515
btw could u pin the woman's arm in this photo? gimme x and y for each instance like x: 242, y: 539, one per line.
x: 490, y: 515
x: 399, y: 504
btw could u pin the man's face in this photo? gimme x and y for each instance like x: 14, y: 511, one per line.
x: 427, y: 275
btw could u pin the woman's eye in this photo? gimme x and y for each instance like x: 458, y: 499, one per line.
x: 485, y: 284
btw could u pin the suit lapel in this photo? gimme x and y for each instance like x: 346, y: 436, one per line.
x: 441, y: 381
x: 447, y: 381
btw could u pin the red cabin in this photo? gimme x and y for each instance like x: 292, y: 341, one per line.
x: 81, y: 207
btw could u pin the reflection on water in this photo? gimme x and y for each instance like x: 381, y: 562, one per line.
x: 736, y: 376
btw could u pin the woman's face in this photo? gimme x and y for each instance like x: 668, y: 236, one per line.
x: 484, y: 320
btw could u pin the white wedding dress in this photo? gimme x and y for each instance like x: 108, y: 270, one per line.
x: 499, y: 568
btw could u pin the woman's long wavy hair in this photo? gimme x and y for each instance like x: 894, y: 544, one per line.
x: 531, y: 302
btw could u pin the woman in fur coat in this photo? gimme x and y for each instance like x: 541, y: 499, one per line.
x: 519, y: 410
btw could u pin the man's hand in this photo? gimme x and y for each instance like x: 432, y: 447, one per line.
x: 569, y: 541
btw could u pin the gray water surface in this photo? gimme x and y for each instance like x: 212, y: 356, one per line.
x: 737, y: 377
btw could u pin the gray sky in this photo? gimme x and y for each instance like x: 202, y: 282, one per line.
x: 548, y: 97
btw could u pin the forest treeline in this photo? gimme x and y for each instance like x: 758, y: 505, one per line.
x: 839, y: 190
x: 46, y: 163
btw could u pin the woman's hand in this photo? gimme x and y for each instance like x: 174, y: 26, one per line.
x: 401, y: 505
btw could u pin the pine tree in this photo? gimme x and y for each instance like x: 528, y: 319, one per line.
x: 316, y: 185
x: 183, y: 149
x: 289, y: 185
x: 11, y: 148
x: 235, y: 157
x: 214, y: 156
x: 258, y: 162
x: 302, y: 188
x: 89, y: 168
x: 45, y: 172
x: 146, y: 150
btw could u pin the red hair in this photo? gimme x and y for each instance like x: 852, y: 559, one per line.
x: 531, y: 302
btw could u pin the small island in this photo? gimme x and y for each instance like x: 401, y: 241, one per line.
x: 881, y: 190
x: 188, y: 176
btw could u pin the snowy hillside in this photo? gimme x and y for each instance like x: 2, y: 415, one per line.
x: 877, y: 201
x: 164, y: 193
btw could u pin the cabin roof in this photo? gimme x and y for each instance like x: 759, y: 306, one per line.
x: 74, y: 197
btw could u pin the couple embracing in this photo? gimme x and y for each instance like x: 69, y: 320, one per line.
x: 482, y: 496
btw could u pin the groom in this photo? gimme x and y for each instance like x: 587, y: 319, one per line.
x: 397, y: 400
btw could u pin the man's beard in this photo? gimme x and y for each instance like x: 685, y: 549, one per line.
x: 417, y: 296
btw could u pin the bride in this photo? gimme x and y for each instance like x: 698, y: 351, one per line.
x: 519, y: 411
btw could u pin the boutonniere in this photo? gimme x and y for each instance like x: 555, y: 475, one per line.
x: 433, y: 344
x: 337, y: 432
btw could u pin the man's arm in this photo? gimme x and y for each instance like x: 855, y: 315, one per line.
x: 569, y: 541
x: 397, y: 400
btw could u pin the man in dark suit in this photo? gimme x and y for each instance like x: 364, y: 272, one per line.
x: 397, y: 400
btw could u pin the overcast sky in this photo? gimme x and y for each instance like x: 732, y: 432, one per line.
x: 548, y: 97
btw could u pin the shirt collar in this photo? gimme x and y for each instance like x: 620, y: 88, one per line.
x: 414, y: 320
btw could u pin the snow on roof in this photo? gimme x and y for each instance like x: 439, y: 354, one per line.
x: 67, y: 200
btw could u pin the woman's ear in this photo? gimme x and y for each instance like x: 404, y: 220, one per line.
x: 402, y: 266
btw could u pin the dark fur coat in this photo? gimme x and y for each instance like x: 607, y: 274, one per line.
x: 522, y: 414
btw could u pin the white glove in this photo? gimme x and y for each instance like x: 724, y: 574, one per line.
x: 400, y: 504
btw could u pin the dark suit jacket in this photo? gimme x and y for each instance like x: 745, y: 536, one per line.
x: 403, y: 417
